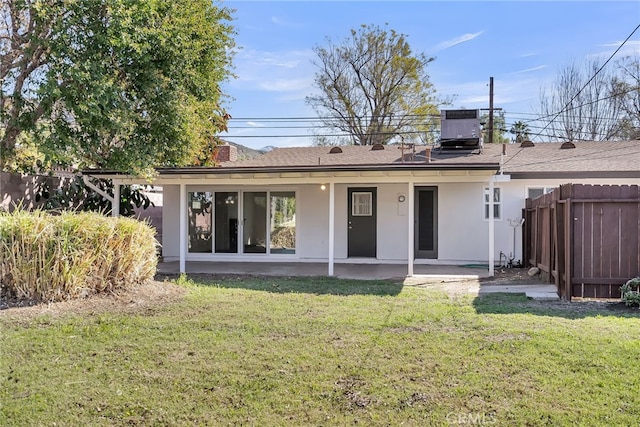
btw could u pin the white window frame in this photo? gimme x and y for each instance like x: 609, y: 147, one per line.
x: 545, y: 190
x: 364, y: 206
x: 486, y: 204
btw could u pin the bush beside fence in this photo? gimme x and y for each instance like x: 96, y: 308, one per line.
x: 46, y: 257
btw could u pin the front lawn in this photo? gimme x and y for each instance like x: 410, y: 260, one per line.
x: 250, y: 351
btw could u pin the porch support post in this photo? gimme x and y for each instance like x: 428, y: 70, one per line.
x: 183, y: 227
x: 491, y: 228
x: 115, y: 205
x: 332, y: 215
x: 410, y: 228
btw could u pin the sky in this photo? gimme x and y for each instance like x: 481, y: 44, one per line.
x: 521, y: 44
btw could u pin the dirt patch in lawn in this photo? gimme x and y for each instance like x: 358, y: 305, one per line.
x: 137, y: 299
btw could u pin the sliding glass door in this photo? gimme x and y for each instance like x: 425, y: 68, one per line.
x: 282, y: 222
x: 248, y: 222
x: 254, y: 226
x: 226, y: 222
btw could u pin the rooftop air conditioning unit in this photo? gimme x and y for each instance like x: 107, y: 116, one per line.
x: 460, y: 129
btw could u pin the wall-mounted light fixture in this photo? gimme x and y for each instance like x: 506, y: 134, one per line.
x: 401, y: 198
x: 323, y: 187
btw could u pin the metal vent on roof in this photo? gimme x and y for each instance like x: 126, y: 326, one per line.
x: 527, y: 143
x: 335, y: 150
x: 376, y: 147
x: 567, y: 145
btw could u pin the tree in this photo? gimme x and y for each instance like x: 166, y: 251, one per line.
x: 374, y: 88
x: 499, y: 128
x: 581, y: 105
x: 625, y: 88
x: 521, y: 130
x: 118, y: 84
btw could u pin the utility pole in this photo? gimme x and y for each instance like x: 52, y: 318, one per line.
x: 490, y: 110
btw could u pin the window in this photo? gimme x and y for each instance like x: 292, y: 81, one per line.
x: 533, y: 192
x: 199, y: 215
x: 361, y: 204
x: 497, y: 207
x: 283, y: 222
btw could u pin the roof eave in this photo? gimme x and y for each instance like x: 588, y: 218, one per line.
x: 573, y: 174
x: 319, y: 168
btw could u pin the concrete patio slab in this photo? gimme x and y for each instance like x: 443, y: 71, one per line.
x: 451, y: 278
x: 344, y: 271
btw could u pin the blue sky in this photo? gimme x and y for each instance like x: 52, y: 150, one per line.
x: 522, y: 45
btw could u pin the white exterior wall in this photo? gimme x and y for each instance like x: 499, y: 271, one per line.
x: 463, y: 232
x: 393, y: 224
x: 312, y: 222
x: 171, y: 221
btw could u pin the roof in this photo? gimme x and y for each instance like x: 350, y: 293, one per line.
x: 542, y: 158
x: 587, y: 159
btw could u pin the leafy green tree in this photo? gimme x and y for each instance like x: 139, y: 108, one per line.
x: 521, y: 130
x: 499, y: 128
x: 373, y: 87
x: 118, y: 84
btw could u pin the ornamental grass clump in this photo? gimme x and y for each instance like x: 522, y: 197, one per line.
x: 46, y: 257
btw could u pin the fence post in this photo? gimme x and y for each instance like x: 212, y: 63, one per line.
x: 568, y: 244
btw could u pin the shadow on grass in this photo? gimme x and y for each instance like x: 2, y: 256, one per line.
x: 513, y: 303
x: 310, y: 285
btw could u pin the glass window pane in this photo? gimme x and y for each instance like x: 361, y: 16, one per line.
x: 535, y: 192
x: 496, y: 203
x: 254, y: 229
x: 361, y: 204
x: 226, y: 222
x: 283, y: 223
x: 199, y: 215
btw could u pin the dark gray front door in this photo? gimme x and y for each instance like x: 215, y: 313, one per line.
x: 361, y: 222
x: 426, y: 222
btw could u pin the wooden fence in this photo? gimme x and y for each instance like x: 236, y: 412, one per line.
x: 585, y: 238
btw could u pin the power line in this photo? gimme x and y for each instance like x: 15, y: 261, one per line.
x: 593, y: 77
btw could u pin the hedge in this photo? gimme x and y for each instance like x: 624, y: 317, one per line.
x: 45, y: 257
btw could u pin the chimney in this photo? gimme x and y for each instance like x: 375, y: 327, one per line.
x: 226, y: 153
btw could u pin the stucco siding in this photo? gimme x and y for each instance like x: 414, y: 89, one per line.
x: 463, y: 232
x: 312, y: 220
x: 171, y: 221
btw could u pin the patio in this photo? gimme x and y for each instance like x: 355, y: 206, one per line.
x: 344, y: 271
x: 424, y: 275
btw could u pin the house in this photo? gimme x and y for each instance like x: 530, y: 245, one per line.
x: 373, y: 204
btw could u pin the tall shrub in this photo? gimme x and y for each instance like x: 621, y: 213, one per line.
x: 46, y: 257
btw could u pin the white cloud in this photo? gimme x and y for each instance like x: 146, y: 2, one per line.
x: 630, y: 48
x: 285, y: 85
x: 273, y: 70
x: 456, y: 41
x: 530, y: 70
x: 284, y: 23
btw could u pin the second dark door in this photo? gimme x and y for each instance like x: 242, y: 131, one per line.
x: 362, y: 223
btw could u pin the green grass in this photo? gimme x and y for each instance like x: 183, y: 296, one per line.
x: 324, y: 352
